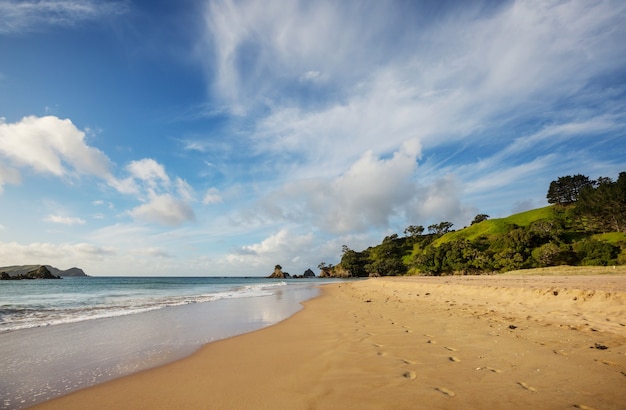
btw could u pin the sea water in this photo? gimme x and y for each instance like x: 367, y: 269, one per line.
x: 57, y: 336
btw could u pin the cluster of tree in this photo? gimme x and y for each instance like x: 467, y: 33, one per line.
x: 582, y: 208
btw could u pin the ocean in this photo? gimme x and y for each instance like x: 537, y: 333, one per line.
x: 58, y: 336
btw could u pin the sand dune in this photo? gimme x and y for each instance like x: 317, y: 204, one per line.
x: 406, y: 343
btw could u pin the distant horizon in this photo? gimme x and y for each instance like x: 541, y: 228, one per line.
x: 148, y: 137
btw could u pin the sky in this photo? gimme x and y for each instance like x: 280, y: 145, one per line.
x: 220, y: 138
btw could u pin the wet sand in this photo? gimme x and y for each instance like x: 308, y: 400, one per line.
x: 404, y: 343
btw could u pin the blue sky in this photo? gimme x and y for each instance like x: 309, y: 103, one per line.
x: 203, y: 137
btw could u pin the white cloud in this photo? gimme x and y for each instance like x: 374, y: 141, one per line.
x: 259, y: 50
x: 8, y: 176
x: 184, y: 190
x: 51, y: 145
x: 64, y: 220
x: 278, y: 248
x: 152, y: 252
x: 124, y: 186
x: 61, y: 255
x: 212, y: 196
x: 311, y: 76
x: 455, y: 80
x: 441, y: 200
x: 25, y: 15
x: 165, y: 203
x: 165, y: 210
x: 148, y: 171
x: 366, y: 195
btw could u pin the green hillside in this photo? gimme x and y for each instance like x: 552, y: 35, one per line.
x: 491, y: 227
x: 585, y: 226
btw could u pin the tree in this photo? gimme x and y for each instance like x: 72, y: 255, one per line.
x: 440, y: 228
x: 353, y: 262
x: 565, y: 190
x: 413, y: 230
x: 593, y: 252
x: 479, y: 218
x: 549, y: 254
x: 604, y: 207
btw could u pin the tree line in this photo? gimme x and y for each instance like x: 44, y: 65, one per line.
x: 570, y: 234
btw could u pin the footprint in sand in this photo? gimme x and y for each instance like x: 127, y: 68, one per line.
x: 452, y: 349
x: 454, y: 359
x: 432, y: 342
x: 409, y: 375
x: 526, y: 386
x: 583, y: 407
x: 406, y: 361
x: 445, y: 391
x: 491, y: 369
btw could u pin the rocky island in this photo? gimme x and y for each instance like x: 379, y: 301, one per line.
x: 20, y: 272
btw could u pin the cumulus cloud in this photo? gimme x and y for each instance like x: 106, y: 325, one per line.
x: 25, y: 15
x: 8, y: 176
x: 367, y: 194
x: 164, y: 210
x: 64, y: 220
x: 51, y: 145
x: 148, y: 171
x: 281, y: 246
x: 165, y: 203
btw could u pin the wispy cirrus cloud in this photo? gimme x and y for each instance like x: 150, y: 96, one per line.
x: 17, y: 16
x: 476, y: 75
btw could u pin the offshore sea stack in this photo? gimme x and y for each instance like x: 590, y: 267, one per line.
x: 278, y: 273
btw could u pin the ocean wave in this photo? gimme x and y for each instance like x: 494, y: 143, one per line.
x: 17, y: 318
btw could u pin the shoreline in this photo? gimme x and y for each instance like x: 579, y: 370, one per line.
x: 445, y: 342
x: 45, y: 362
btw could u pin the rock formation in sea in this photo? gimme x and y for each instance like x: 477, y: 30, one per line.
x: 278, y: 273
x: 309, y: 274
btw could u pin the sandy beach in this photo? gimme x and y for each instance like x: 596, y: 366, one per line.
x: 543, y: 342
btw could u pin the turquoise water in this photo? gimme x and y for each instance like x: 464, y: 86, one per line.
x: 33, y: 303
x: 58, y: 336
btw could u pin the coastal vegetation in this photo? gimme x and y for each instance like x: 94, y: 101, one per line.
x: 585, y: 225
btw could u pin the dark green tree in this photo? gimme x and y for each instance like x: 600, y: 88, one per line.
x: 565, y: 190
x: 353, y: 262
x: 479, y: 218
x: 603, y: 208
x: 413, y: 230
x: 440, y: 228
x: 593, y: 253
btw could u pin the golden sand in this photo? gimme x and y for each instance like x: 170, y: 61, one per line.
x: 493, y: 342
